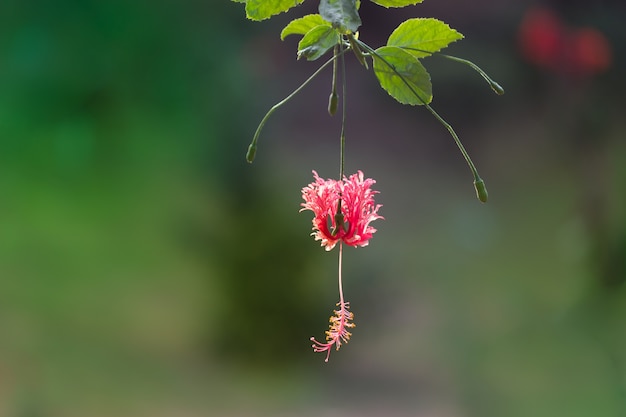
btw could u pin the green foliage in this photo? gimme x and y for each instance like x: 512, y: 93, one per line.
x: 423, y: 36
x: 396, y: 3
x: 264, y: 9
x: 303, y: 25
x: 317, y: 42
x: 402, y: 76
x: 397, y: 65
x: 342, y: 14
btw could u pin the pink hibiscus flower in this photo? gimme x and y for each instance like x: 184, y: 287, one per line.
x: 343, y: 209
x: 343, y: 213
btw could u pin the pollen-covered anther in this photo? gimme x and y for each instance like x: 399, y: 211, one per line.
x: 338, y: 332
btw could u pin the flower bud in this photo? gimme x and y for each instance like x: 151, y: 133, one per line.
x: 332, y: 103
x: 251, y: 153
x: 497, y: 88
x: 481, y: 190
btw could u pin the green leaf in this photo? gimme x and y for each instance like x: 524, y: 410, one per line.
x: 303, y: 25
x: 263, y: 9
x: 423, y: 36
x: 396, y: 3
x: 392, y: 65
x: 239, y: 1
x: 317, y: 42
x: 342, y: 14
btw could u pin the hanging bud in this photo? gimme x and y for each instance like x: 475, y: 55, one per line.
x: 481, y: 190
x: 497, y: 88
x: 251, y: 152
x: 332, y: 103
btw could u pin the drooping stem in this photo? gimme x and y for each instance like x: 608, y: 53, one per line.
x: 344, y: 90
x: 332, y: 99
x: 479, y: 184
x: 341, y: 302
x: 497, y: 88
x: 253, y: 145
x: 339, y: 219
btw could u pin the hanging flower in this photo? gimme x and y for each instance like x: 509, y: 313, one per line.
x: 343, y: 209
x: 343, y: 213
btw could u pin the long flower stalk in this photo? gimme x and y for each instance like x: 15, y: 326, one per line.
x: 340, y: 322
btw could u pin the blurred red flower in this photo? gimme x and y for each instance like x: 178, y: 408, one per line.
x: 550, y: 44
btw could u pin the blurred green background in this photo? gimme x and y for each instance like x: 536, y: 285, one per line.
x: 147, y: 270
